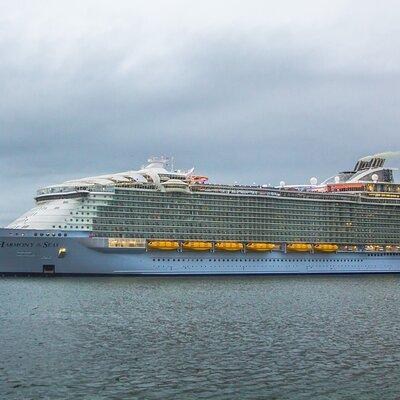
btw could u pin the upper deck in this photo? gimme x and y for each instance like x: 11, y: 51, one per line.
x: 369, y: 181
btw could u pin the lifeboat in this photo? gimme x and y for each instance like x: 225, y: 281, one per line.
x: 260, y: 246
x: 197, y: 246
x: 229, y: 246
x: 326, y: 247
x: 299, y: 247
x: 162, y: 245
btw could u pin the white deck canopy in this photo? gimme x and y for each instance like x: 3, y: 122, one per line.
x: 151, y: 172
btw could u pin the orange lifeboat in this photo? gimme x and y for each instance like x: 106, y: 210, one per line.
x: 299, y: 247
x: 162, y: 245
x: 326, y: 247
x: 260, y: 246
x: 229, y: 246
x: 197, y: 246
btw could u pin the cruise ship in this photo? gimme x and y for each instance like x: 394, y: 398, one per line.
x: 160, y: 221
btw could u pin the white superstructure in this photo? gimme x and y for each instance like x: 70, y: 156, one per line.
x: 67, y: 213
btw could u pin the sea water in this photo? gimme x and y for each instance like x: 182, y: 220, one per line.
x: 290, y: 337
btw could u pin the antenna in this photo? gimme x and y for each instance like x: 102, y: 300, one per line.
x: 172, y: 164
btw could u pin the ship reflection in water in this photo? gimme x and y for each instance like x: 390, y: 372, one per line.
x: 217, y: 338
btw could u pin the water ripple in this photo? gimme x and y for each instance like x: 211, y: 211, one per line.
x: 203, y: 338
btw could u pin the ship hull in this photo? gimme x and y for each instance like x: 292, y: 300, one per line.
x: 39, y: 252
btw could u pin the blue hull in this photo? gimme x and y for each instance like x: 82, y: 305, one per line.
x: 38, y: 252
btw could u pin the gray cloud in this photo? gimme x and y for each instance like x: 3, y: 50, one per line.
x: 258, y: 105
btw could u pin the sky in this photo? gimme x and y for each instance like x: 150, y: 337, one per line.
x: 246, y: 91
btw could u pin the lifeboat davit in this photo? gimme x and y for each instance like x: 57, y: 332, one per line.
x: 197, y: 246
x: 392, y: 247
x: 326, y: 247
x: 299, y: 247
x: 260, y: 246
x: 374, y: 247
x: 350, y: 248
x: 162, y: 245
x: 229, y: 246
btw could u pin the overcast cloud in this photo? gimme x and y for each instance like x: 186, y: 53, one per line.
x: 253, y: 91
